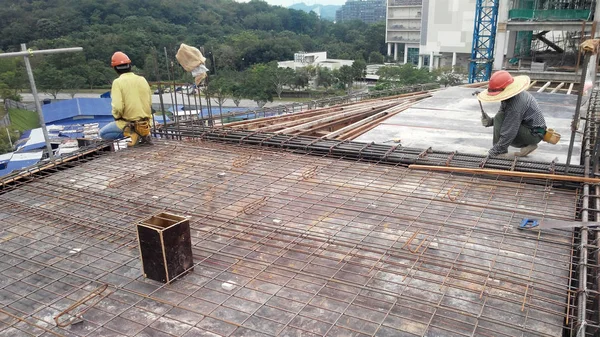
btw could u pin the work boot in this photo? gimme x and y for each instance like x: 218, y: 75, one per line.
x: 526, y: 150
x: 147, y: 140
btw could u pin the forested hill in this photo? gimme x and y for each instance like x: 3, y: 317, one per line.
x: 239, y: 34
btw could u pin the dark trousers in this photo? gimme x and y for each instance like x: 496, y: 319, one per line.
x: 524, y: 137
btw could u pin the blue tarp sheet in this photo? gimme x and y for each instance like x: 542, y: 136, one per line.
x: 67, y: 109
x: 20, y: 161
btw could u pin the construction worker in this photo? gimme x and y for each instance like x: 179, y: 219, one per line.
x: 131, y: 104
x: 519, y: 122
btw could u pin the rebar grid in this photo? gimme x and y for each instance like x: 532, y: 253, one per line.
x: 347, y: 248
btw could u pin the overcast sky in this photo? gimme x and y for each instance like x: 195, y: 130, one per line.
x: 287, y: 3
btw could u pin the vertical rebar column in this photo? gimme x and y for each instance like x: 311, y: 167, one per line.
x: 575, y: 122
x: 160, y: 91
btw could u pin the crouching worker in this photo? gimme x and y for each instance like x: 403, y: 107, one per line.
x: 131, y: 104
x: 519, y: 122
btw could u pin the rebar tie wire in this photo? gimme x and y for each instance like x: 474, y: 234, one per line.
x: 98, y: 292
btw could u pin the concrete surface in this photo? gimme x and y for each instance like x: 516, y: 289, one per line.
x: 451, y: 121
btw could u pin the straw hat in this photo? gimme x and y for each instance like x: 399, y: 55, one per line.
x: 504, y: 86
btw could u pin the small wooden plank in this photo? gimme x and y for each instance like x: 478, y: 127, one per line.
x: 562, y: 84
x: 545, y: 86
x: 570, y: 88
x: 531, y: 85
x: 506, y: 173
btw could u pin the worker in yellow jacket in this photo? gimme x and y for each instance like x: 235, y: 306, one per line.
x: 131, y: 104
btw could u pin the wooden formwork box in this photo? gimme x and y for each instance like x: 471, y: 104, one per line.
x: 165, y: 246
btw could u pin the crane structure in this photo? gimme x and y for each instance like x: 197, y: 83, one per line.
x: 484, y: 39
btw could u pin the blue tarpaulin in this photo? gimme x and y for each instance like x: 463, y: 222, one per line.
x: 79, y: 111
x: 20, y: 161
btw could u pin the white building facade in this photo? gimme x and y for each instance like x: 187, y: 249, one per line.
x: 447, y: 33
x: 319, y: 59
x: 403, y: 30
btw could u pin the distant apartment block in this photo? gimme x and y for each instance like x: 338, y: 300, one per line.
x: 430, y: 33
x: 369, y: 11
x: 447, y: 33
x: 403, y: 29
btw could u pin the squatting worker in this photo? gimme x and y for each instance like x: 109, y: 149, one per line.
x: 519, y: 122
x: 131, y: 104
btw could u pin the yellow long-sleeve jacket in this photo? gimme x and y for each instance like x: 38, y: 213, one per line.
x: 131, y: 99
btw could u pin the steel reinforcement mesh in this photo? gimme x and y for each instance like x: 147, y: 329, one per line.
x: 284, y: 244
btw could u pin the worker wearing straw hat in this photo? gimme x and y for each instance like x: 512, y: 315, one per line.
x: 519, y: 122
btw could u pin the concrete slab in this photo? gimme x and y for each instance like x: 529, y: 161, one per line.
x: 450, y: 121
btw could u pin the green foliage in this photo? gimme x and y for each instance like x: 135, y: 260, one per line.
x: 447, y: 77
x: 239, y: 35
x: 405, y: 75
x: 257, y: 85
x: 325, y: 78
x: 280, y: 77
x: 23, y: 119
x: 376, y: 58
x: 359, y: 69
x: 6, y: 140
x: 220, y: 87
x: 345, y: 76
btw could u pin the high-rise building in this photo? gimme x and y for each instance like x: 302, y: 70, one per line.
x: 369, y: 11
x: 403, y: 29
x: 447, y: 33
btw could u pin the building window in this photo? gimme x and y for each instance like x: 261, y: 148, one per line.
x: 413, y: 56
x: 426, y: 60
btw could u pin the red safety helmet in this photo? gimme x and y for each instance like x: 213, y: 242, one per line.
x: 119, y: 59
x: 499, y: 81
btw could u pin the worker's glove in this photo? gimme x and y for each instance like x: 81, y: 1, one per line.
x: 487, y: 121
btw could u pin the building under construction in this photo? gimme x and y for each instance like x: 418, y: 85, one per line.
x: 312, y: 221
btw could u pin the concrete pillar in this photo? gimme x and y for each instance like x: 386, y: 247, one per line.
x: 431, y: 61
x: 512, y: 43
x: 395, y: 52
x: 501, y: 35
x: 405, y: 53
x: 453, y: 61
x: 420, y: 64
x: 389, y: 53
x: 438, y: 61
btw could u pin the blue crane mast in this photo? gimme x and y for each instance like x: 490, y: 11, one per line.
x: 484, y: 39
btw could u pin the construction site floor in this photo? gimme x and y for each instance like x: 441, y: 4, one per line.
x: 450, y: 120
x: 284, y: 244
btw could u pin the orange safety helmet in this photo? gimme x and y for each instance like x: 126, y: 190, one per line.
x: 118, y: 59
x: 499, y: 81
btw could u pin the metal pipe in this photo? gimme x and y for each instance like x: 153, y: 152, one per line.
x: 36, y: 98
x: 28, y: 53
x: 575, y: 122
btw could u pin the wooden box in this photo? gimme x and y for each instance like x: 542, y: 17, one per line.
x: 165, y: 246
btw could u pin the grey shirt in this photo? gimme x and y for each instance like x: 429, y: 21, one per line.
x: 521, y: 109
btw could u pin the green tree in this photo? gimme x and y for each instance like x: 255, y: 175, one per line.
x: 394, y: 76
x: 325, y: 77
x: 280, y: 77
x: 301, y: 78
x: 345, y: 77
x: 50, y: 80
x: 258, y: 84
x: 219, y: 89
x: 359, y: 69
x: 73, y: 83
x: 375, y: 57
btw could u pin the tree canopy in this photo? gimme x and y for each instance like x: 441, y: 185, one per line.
x: 238, y: 35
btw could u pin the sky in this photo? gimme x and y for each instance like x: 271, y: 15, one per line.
x: 287, y: 3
